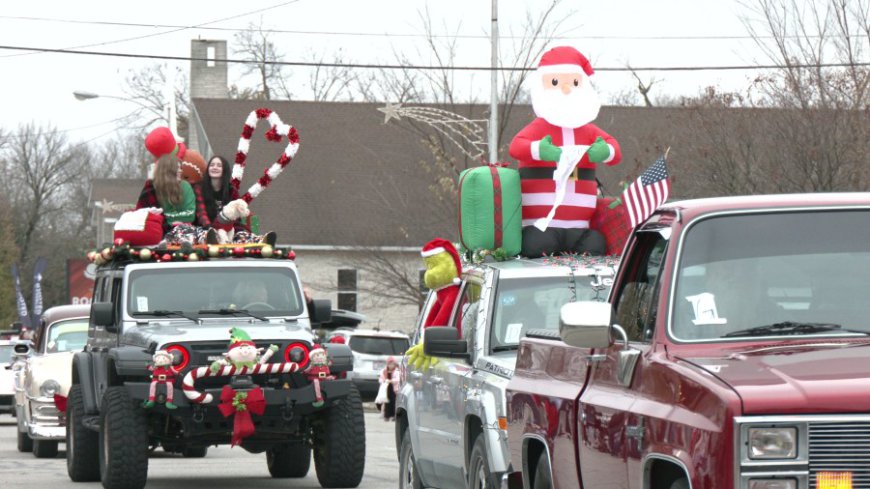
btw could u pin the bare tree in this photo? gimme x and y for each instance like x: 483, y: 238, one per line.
x: 331, y: 83
x: 147, y: 88
x: 255, y: 45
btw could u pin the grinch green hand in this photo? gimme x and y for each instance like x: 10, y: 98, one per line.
x: 599, y: 151
x: 548, y: 151
x: 418, y: 359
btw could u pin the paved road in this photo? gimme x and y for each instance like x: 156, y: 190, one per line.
x: 222, y: 468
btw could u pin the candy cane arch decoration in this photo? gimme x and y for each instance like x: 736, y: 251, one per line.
x: 277, y: 131
x: 201, y: 372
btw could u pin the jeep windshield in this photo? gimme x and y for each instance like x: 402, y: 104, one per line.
x: 787, y: 275
x: 213, y: 292
x: 522, y: 304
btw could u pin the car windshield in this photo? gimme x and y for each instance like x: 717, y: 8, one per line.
x: 5, y: 353
x: 522, y: 304
x: 378, y: 345
x: 784, y: 274
x: 68, y: 335
x: 170, y: 292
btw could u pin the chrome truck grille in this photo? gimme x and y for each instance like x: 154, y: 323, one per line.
x: 840, y: 447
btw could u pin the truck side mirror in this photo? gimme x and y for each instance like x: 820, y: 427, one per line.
x: 586, y: 324
x: 444, y: 342
x: 103, y: 314
x: 321, y: 311
x: 21, y: 349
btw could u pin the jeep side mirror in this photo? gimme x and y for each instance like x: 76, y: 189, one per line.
x: 586, y: 324
x: 103, y: 314
x: 321, y: 311
x: 444, y: 342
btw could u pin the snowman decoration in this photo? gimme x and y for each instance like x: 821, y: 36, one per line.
x: 243, y: 352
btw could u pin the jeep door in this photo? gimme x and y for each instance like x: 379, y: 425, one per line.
x: 611, y: 434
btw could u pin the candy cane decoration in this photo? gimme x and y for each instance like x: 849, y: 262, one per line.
x: 201, y: 372
x: 278, y: 130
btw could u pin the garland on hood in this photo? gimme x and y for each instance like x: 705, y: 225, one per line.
x: 274, y: 134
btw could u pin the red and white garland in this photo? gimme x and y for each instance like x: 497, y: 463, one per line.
x: 187, y: 384
x: 277, y: 131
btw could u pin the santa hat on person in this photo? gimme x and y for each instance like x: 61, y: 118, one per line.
x: 564, y: 59
x: 440, y: 245
x: 240, y: 337
x: 161, y: 142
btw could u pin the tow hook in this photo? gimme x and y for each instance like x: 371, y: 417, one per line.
x: 198, y: 413
x: 288, y: 411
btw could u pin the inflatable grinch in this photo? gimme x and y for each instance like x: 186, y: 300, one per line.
x: 558, y: 153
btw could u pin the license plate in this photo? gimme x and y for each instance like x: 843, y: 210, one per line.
x: 379, y: 365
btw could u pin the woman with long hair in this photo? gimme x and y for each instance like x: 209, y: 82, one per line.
x: 217, y: 190
x: 176, y: 197
x: 390, y: 375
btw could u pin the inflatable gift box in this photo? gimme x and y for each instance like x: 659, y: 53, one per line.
x: 490, y: 209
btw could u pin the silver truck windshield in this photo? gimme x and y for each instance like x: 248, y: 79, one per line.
x: 262, y: 291
x: 522, y: 304
x: 783, y: 274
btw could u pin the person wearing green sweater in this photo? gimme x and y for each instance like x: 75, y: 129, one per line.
x: 177, y: 198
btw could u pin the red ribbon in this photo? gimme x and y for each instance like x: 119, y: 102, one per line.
x: 60, y: 403
x: 252, y: 402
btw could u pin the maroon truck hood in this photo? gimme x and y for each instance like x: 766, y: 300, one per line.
x: 820, y: 377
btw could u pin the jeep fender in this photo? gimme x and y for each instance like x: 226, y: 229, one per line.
x: 83, y: 374
x: 482, y: 404
x: 340, y: 356
x: 129, y: 361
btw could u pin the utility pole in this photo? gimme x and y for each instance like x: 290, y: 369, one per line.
x: 493, y: 94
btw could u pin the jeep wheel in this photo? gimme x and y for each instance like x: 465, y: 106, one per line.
x: 194, y: 452
x: 82, y: 452
x: 289, y: 460
x: 479, y: 476
x: 123, y: 441
x: 543, y: 477
x: 25, y: 443
x: 409, y: 478
x: 45, y: 448
x: 340, y: 443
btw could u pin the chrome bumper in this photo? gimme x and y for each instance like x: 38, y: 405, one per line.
x: 39, y: 432
x: 45, y: 421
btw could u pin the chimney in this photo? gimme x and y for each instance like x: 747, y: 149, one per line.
x: 208, y: 79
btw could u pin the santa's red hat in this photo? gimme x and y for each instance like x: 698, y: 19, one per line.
x: 440, y: 245
x: 315, y: 348
x: 564, y: 59
x: 161, y: 142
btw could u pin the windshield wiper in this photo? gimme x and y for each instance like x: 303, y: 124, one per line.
x: 232, y: 312
x: 504, y: 348
x: 792, y: 327
x: 165, y: 313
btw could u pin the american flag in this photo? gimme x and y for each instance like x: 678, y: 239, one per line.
x: 647, y: 193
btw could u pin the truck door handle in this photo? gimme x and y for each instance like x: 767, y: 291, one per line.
x: 435, y: 380
x: 415, y: 375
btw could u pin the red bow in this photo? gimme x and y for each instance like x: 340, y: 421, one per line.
x: 242, y: 404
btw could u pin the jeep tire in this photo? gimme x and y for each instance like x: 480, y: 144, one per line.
x: 123, y: 441
x: 25, y: 443
x: 82, y: 451
x: 479, y: 475
x: 285, y: 461
x: 45, y: 448
x: 340, y: 443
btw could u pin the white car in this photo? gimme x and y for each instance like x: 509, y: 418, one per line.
x: 44, y: 381
x: 7, y: 376
x: 371, y: 348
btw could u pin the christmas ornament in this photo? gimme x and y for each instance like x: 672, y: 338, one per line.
x: 275, y: 134
x: 161, y: 374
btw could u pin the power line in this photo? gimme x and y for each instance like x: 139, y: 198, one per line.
x: 486, y: 37
x: 173, y: 30
x: 313, y: 64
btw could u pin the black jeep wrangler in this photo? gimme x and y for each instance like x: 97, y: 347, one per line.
x: 186, y: 303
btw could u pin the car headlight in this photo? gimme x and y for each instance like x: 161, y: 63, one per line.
x: 49, y: 388
x: 769, y: 443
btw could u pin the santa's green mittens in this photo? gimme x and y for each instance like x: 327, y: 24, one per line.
x: 599, y: 151
x: 548, y: 151
x: 419, y: 360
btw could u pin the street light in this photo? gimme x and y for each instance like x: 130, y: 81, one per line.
x: 169, y: 117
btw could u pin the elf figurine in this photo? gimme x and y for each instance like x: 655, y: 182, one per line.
x: 317, y: 371
x: 442, y: 275
x: 161, y: 373
x: 243, y: 352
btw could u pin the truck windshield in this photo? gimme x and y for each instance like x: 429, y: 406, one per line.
x: 267, y: 291
x: 789, y: 275
x: 522, y: 304
x: 68, y: 335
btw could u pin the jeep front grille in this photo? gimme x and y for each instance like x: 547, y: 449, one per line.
x: 840, y: 447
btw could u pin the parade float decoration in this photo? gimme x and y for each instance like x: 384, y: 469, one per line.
x: 162, y: 374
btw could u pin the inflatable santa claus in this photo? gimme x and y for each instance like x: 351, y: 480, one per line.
x: 558, y: 154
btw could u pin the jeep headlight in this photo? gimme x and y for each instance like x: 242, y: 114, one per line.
x: 49, y: 388
x: 770, y: 443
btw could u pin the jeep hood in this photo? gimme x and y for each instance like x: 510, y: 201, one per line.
x: 818, y: 377
x: 178, y: 331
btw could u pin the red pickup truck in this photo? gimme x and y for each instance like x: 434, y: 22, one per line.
x: 734, y: 352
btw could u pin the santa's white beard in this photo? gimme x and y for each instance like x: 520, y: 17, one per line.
x: 573, y: 110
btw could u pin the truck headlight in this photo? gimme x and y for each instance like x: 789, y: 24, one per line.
x: 769, y: 443
x: 49, y: 388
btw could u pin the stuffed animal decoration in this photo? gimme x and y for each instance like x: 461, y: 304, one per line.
x: 161, y: 374
x: 243, y: 352
x: 161, y: 142
x: 232, y: 211
x: 558, y: 153
x: 317, y: 371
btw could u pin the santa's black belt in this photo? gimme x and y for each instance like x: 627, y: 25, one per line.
x: 547, y: 173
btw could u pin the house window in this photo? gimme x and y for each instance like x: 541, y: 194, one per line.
x: 210, y: 56
x: 347, y: 289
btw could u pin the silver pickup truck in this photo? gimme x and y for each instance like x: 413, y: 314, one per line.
x: 451, y: 418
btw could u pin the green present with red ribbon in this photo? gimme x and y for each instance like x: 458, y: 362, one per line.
x: 490, y: 209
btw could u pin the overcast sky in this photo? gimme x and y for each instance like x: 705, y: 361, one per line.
x: 38, y: 87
